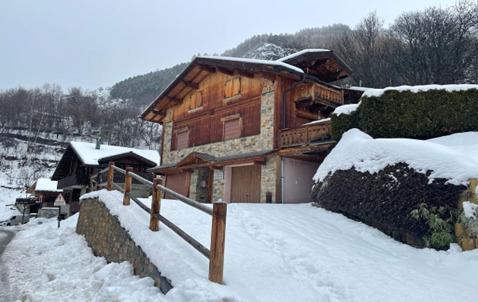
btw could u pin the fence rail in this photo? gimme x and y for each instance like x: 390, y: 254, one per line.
x: 215, y: 253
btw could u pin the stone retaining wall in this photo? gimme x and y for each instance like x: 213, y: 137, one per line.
x: 107, y: 238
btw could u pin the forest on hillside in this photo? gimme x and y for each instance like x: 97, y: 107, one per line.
x: 435, y: 45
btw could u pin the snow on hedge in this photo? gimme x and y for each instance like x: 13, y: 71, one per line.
x: 296, y: 252
x: 372, y: 92
x: 366, y: 154
x: 345, y: 109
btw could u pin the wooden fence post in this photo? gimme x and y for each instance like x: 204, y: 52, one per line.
x: 128, y: 181
x: 218, y: 238
x: 109, y: 177
x: 155, y: 204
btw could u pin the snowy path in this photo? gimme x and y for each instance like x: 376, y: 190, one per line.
x: 5, y: 288
x: 298, y: 253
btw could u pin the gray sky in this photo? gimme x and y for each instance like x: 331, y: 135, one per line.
x: 93, y: 43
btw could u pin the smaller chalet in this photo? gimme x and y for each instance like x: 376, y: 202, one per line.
x: 45, y: 191
x: 81, y: 160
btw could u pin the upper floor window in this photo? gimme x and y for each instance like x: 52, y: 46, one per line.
x: 232, y: 87
x: 195, y: 100
x: 232, y: 127
x: 182, y: 138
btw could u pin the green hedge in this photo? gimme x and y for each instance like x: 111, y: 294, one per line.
x: 419, y: 115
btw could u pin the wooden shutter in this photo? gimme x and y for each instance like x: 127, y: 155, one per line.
x: 182, y: 139
x: 232, y: 128
x: 232, y: 87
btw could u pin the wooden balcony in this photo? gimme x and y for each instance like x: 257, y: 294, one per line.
x: 73, y: 181
x: 305, y: 135
x: 319, y: 93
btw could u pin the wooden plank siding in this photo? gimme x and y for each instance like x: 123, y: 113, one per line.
x: 205, y: 123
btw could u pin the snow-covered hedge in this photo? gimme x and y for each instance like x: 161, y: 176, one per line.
x: 411, y: 111
x: 407, y: 188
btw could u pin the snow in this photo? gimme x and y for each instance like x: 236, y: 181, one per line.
x: 255, y: 61
x: 44, y: 263
x: 296, y: 252
x: 7, y: 201
x: 346, y: 109
x: 302, y: 52
x: 366, y: 154
x: 470, y: 209
x: 47, y: 185
x: 419, y: 88
x: 321, y: 121
x: 90, y: 155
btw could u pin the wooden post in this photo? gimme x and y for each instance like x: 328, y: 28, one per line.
x: 109, y: 177
x: 128, y: 181
x: 218, y: 238
x: 155, y: 204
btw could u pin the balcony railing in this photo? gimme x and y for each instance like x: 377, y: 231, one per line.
x: 320, y: 93
x: 305, y: 134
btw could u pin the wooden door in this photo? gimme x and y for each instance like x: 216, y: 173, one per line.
x: 246, y: 184
x: 179, y: 183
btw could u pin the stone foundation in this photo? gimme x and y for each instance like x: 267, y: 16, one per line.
x: 107, y: 238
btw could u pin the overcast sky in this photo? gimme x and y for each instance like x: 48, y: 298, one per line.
x: 96, y: 43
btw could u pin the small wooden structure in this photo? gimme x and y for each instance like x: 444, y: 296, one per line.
x: 81, y: 160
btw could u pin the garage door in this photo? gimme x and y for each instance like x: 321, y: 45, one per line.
x: 178, y: 183
x: 246, y: 184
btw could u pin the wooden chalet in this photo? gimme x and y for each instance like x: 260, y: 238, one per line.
x: 45, y: 192
x: 246, y: 130
x: 82, y: 160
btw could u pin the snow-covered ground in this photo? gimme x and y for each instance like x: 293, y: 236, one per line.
x: 44, y: 263
x: 297, y: 252
x: 7, y: 200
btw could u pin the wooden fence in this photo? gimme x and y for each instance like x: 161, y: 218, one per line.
x: 218, y: 212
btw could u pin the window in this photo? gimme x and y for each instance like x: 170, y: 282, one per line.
x: 232, y: 127
x: 232, y: 87
x: 182, y: 139
x: 195, y: 100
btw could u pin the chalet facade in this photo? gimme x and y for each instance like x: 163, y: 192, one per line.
x: 81, y: 160
x: 245, y: 130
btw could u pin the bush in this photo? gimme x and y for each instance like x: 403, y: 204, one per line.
x: 420, y: 115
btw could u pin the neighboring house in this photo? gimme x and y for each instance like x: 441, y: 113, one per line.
x: 82, y: 160
x: 244, y: 130
x: 45, y: 192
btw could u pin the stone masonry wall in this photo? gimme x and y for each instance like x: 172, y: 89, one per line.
x: 107, y: 238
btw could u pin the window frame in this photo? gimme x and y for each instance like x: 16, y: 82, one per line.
x: 231, y: 118
x: 183, y: 130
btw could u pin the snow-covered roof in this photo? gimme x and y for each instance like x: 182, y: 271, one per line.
x: 47, y: 185
x: 453, y: 157
x: 254, y: 61
x: 89, y: 155
x: 302, y: 52
x: 372, y: 92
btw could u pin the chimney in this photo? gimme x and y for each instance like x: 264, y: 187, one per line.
x: 98, y: 143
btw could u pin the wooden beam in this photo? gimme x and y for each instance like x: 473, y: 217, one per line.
x: 218, y: 240
x: 190, y: 84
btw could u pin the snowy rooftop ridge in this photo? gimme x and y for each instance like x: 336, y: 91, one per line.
x: 302, y: 52
x: 451, y: 157
x: 47, y: 185
x: 254, y: 61
x: 89, y: 155
x: 373, y: 92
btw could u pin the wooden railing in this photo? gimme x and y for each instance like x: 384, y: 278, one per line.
x: 318, y: 92
x: 215, y: 253
x: 305, y: 135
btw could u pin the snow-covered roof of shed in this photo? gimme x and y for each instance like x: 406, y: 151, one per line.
x: 47, y: 185
x: 303, y: 52
x: 89, y: 155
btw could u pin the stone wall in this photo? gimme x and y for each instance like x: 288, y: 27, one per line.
x: 268, y: 179
x: 107, y: 238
